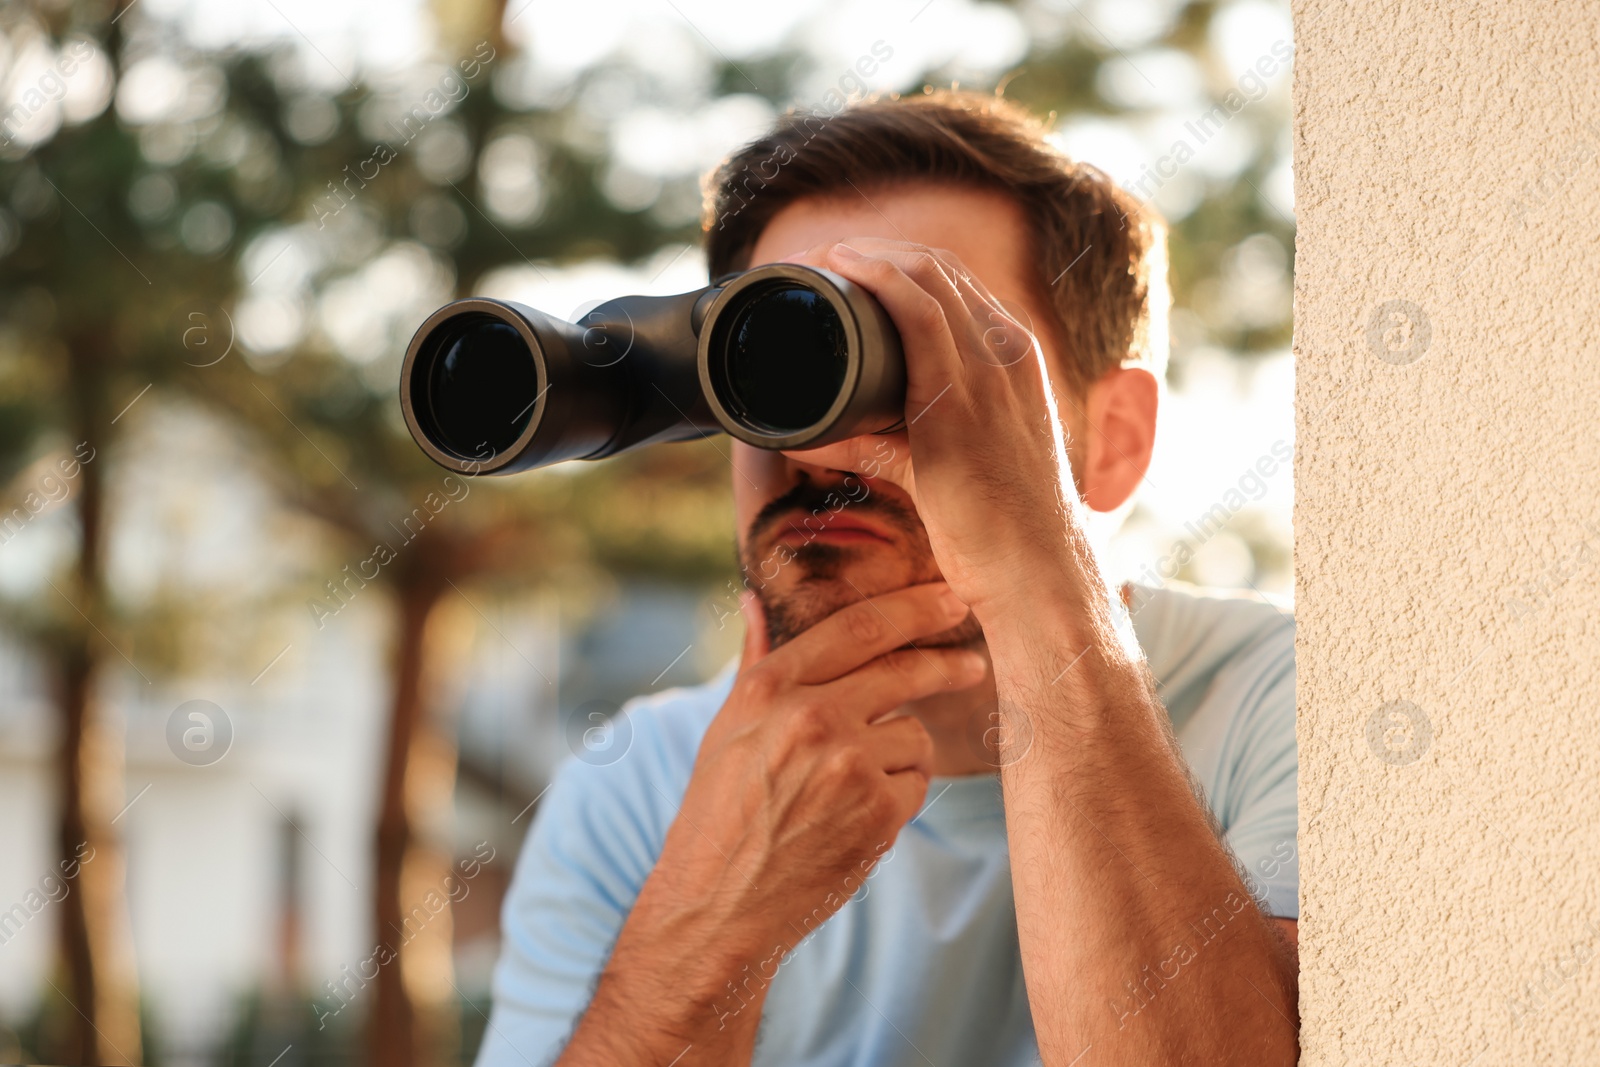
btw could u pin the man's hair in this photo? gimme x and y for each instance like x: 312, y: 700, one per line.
x: 1099, y: 255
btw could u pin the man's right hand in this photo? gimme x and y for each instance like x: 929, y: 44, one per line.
x: 802, y: 781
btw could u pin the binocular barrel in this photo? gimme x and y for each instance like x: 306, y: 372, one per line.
x: 781, y: 357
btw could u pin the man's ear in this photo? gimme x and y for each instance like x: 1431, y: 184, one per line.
x: 1121, y: 407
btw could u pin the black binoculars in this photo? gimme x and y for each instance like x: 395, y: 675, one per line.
x: 781, y: 356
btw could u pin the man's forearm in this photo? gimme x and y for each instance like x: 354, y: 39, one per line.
x: 672, y: 991
x: 1138, y: 937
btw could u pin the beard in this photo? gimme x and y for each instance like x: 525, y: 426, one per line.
x: 818, y: 578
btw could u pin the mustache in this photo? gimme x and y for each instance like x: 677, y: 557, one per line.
x: 810, y: 498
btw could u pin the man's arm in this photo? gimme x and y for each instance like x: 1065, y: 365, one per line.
x: 1139, y: 939
x: 667, y: 993
x: 800, y: 785
x: 1122, y: 890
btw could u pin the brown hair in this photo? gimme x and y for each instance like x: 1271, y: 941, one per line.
x: 1099, y: 254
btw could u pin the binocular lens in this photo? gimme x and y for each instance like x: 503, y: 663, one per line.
x: 479, y: 385
x: 784, y: 355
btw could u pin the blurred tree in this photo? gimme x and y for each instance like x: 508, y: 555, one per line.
x: 102, y: 222
x: 76, y: 305
x: 338, y: 453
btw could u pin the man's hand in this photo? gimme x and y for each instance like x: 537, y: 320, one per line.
x: 801, y: 782
x: 991, y: 480
x: 800, y: 785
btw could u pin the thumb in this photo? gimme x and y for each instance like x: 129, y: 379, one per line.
x: 869, y: 456
x: 756, y: 645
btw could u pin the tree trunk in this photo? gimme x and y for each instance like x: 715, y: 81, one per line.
x: 100, y: 1023
x: 414, y: 1020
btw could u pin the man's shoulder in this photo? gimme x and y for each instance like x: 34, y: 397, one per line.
x: 1196, y: 640
x: 652, y: 739
x: 619, y: 788
x: 673, y: 721
x: 1177, y: 618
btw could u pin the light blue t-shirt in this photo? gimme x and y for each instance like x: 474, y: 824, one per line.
x: 922, y: 965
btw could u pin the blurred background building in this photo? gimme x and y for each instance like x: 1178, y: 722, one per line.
x: 233, y: 762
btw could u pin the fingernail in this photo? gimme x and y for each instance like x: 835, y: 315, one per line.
x: 846, y: 252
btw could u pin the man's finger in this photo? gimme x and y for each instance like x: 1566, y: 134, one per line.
x: 871, y: 456
x: 910, y: 789
x: 977, y: 320
x: 927, y: 271
x: 942, y: 266
x: 901, y: 744
x: 923, y: 308
x: 904, y: 675
x: 861, y: 632
x: 815, y: 256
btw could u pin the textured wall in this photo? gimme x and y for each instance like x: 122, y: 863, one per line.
x: 1447, y: 531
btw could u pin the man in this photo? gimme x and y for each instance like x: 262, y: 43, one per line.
x: 811, y: 859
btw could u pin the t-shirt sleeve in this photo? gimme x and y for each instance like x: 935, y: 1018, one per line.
x: 1257, y: 803
x: 591, y: 846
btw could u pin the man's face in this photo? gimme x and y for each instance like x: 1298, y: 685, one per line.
x: 813, y: 539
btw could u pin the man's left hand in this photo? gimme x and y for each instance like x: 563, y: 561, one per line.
x: 984, y: 453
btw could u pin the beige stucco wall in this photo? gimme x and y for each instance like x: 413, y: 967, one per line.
x: 1447, y: 332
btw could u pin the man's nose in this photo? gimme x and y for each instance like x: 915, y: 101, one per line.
x: 770, y: 474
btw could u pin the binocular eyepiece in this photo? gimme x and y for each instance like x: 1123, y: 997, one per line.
x: 781, y: 357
